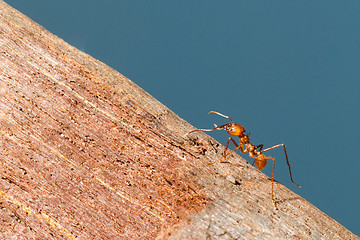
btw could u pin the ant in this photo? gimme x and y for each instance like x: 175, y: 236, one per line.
x: 254, y: 151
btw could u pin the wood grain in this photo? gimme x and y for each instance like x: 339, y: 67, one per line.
x: 87, y: 154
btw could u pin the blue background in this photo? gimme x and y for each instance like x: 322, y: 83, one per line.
x: 288, y: 71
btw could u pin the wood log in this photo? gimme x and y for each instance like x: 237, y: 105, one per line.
x: 87, y: 154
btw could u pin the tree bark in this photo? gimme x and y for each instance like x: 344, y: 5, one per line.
x: 87, y: 154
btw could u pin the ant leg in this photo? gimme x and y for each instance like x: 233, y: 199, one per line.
x: 287, y: 160
x: 226, y: 148
x: 260, y: 146
x: 227, y: 144
x: 272, y: 183
x: 262, y: 162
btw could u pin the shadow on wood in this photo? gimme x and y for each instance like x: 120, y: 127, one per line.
x: 87, y: 154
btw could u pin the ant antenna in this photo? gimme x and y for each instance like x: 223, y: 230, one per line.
x: 222, y: 115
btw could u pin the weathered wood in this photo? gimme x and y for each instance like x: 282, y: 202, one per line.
x: 87, y: 154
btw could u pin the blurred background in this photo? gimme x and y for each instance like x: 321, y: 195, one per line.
x: 288, y: 71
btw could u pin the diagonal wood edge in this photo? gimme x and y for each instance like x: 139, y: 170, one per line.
x: 87, y: 154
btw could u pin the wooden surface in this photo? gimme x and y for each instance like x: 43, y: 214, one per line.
x: 87, y: 154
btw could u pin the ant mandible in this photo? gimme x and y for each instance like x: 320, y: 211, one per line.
x: 254, y: 151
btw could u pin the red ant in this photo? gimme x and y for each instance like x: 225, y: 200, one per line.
x: 255, y: 151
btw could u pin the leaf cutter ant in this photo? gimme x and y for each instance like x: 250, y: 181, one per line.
x: 254, y: 151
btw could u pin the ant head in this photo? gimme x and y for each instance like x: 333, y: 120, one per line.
x: 234, y: 129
